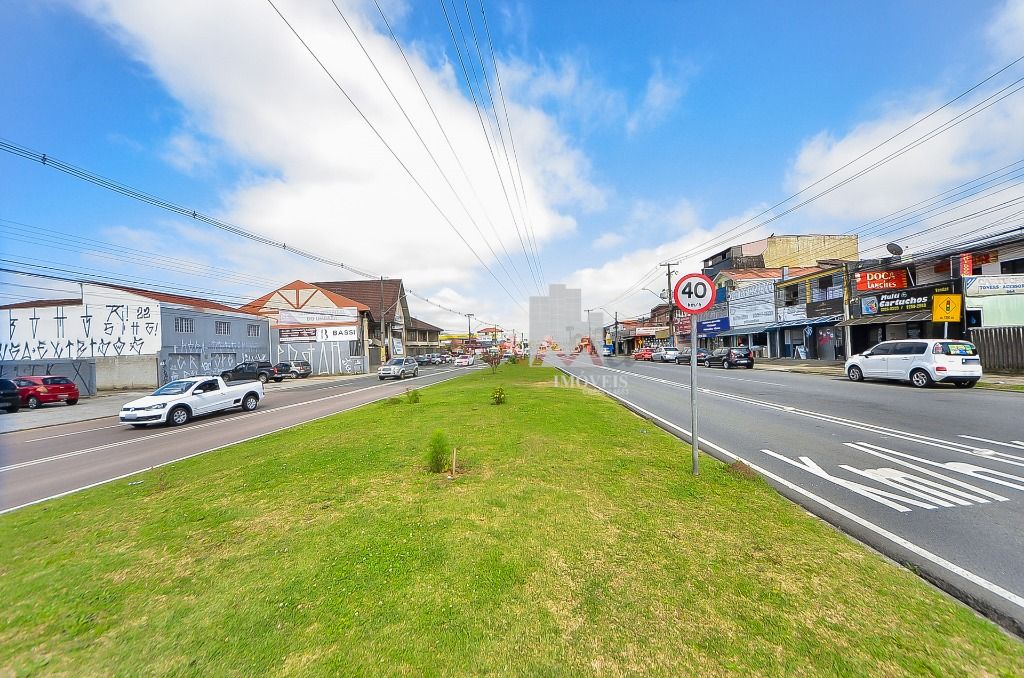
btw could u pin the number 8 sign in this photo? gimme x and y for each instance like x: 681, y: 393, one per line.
x: 694, y: 293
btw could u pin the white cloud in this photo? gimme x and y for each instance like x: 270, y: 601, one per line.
x: 606, y: 241
x: 186, y: 153
x: 1006, y: 31
x: 662, y: 93
x: 249, y: 87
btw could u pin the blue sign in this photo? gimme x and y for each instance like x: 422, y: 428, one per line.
x: 712, y: 328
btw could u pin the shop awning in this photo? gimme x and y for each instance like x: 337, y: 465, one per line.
x: 743, y: 331
x: 803, y: 322
x: 909, y: 317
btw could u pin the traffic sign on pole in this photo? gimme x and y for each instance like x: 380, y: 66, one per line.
x: 694, y: 294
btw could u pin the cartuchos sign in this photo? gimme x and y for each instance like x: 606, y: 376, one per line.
x: 893, y: 279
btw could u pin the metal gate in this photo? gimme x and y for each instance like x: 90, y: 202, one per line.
x: 82, y: 372
x: 1001, y: 348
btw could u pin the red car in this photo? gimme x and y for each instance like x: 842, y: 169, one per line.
x: 643, y: 354
x: 36, y: 391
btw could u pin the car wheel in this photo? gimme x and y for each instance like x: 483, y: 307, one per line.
x: 380, y: 377
x: 177, y: 416
x: 965, y: 384
x: 855, y: 374
x: 707, y: 363
x: 263, y: 378
x: 278, y: 380
x: 33, y: 403
x: 250, y: 402
x: 726, y: 365
x: 295, y: 375
x: 13, y: 408
x: 920, y: 378
x: 416, y: 372
x: 73, y: 401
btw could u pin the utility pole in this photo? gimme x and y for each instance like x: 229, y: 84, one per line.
x: 469, y: 328
x: 590, y: 331
x: 671, y: 306
x: 615, y: 348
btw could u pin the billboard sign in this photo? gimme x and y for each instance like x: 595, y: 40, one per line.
x: 893, y: 279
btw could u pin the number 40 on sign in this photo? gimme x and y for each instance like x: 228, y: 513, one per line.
x: 694, y: 293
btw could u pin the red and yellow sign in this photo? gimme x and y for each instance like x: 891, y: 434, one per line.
x: 966, y: 265
x: 893, y: 279
x: 946, y: 308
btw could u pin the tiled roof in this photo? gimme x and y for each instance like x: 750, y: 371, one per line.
x: 256, y: 306
x: 376, y: 295
x: 417, y: 324
x: 766, y: 273
x: 179, y: 299
x: 43, y: 303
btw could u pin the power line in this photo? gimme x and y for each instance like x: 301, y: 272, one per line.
x: 394, y: 154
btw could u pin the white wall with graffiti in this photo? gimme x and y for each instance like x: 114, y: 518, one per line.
x: 329, y: 350
x: 209, y: 342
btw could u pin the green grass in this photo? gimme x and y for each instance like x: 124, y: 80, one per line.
x: 998, y: 387
x: 573, y: 541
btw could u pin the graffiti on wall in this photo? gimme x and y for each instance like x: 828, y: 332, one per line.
x: 82, y: 372
x: 193, y: 357
x: 78, y: 332
x: 330, y: 357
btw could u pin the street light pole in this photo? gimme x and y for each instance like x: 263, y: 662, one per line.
x: 671, y: 307
x: 469, y: 328
x: 590, y: 331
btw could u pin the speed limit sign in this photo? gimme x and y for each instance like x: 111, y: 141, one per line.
x: 694, y: 293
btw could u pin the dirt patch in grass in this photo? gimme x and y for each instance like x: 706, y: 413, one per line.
x: 741, y: 470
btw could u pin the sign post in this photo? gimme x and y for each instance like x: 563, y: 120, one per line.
x: 694, y: 293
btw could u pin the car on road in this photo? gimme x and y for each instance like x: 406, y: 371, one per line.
x: 178, y: 401
x: 465, y: 360
x: 665, y: 354
x: 296, y: 369
x: 423, y: 360
x: 253, y: 370
x: 37, y: 391
x: 9, y: 398
x: 922, y: 362
x: 398, y: 368
x: 684, y: 356
x: 643, y: 354
x: 738, y: 356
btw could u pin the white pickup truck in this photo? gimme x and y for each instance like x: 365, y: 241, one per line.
x: 178, y: 401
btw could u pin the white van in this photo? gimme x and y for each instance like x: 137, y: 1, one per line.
x: 922, y: 362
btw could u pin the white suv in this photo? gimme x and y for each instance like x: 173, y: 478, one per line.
x: 398, y: 368
x: 919, y: 361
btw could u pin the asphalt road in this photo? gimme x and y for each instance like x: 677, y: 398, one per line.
x: 933, y: 478
x: 43, y: 463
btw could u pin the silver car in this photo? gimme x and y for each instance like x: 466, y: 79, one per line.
x: 665, y: 354
x: 398, y: 368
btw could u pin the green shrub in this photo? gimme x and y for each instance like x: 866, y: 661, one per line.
x: 412, y: 396
x: 437, y: 451
x: 513, y: 360
x: 394, y: 400
x: 498, y: 395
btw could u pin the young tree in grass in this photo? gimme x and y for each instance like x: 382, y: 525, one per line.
x: 493, y: 359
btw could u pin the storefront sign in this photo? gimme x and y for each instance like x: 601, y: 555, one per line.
x: 913, y: 299
x: 989, y: 285
x: 894, y: 279
x: 286, y: 334
x: 821, y: 309
x: 326, y: 315
x: 977, y: 259
x: 966, y: 265
x: 946, y: 308
x: 338, y: 333
x: 683, y: 325
x: 712, y: 328
x: 792, y: 313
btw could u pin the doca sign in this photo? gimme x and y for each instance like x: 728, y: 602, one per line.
x: 894, y: 279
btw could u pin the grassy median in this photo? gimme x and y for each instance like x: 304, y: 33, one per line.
x: 574, y: 541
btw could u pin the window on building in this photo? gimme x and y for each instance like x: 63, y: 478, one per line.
x: 184, y: 325
x: 253, y: 330
x: 1012, y: 266
x: 222, y: 327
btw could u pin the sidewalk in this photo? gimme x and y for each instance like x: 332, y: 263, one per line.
x: 997, y: 380
x: 108, y: 404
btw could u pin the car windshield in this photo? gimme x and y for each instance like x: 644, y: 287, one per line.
x: 396, y: 361
x: 174, y: 388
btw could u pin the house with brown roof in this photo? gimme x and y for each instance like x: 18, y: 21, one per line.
x: 116, y: 336
x: 387, y: 313
x: 423, y: 337
x: 317, y: 325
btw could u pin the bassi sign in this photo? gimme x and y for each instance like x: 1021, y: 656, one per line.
x: 895, y: 279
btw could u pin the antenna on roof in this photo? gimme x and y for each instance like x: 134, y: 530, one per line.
x: 894, y: 249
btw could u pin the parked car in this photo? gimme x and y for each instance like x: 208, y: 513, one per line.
x: 436, y: 359
x: 665, y: 354
x: 252, y: 371
x: 738, y: 356
x: 422, y: 360
x: 9, y: 398
x: 398, y: 368
x: 922, y: 362
x: 684, y: 356
x: 296, y: 369
x: 643, y: 354
x: 178, y: 401
x: 37, y: 391
x: 465, y: 360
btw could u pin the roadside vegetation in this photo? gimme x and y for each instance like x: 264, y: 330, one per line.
x: 573, y: 540
x: 1000, y: 387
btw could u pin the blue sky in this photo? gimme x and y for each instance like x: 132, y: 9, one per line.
x: 640, y: 131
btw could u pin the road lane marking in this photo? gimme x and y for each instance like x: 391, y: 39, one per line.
x: 891, y: 537
x: 73, y: 433
x: 970, y: 470
x: 1013, y: 443
x: 132, y: 441
x: 212, y: 449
